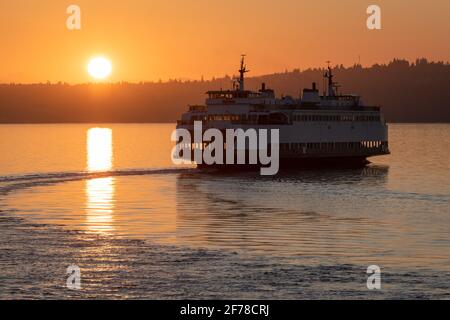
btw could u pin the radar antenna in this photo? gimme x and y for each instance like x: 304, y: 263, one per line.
x: 242, y: 72
x: 329, y: 75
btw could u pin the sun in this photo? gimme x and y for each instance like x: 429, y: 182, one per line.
x: 99, y: 68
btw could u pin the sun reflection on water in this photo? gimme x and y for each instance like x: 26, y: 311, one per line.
x: 100, y: 191
x: 99, y: 149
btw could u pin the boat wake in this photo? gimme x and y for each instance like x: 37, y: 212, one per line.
x: 10, y: 184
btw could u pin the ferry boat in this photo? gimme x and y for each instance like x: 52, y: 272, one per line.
x: 331, y: 129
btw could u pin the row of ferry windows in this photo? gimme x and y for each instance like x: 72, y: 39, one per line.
x: 305, y: 118
x: 316, y: 145
x: 333, y: 145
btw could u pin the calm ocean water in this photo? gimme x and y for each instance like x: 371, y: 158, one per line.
x: 108, y: 199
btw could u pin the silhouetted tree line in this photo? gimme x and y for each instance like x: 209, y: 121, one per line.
x: 408, y: 92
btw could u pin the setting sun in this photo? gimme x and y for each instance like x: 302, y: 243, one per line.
x: 99, y: 68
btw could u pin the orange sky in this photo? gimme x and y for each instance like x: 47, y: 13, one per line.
x: 162, y: 39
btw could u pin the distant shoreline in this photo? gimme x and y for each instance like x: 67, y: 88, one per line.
x: 407, y: 93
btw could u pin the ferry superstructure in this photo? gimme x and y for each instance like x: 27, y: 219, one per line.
x: 331, y: 129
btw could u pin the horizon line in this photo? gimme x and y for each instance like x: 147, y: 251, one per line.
x: 226, y: 76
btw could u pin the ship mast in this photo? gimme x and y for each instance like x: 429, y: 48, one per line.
x: 329, y: 75
x: 242, y: 71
